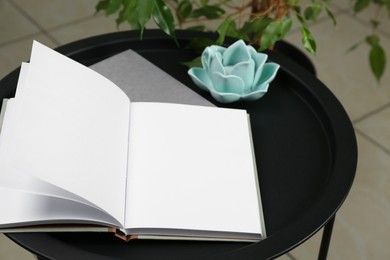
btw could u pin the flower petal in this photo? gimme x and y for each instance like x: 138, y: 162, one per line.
x: 209, y: 53
x: 205, y: 57
x: 225, y: 97
x: 235, y: 53
x: 246, y: 72
x: 254, y: 95
x: 227, y: 83
x: 217, y: 48
x: 268, y: 74
x: 201, y: 78
x: 260, y: 59
x: 216, y: 64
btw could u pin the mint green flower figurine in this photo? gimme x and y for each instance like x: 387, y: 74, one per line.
x: 235, y: 73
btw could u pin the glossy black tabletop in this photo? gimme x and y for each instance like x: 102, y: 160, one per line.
x: 305, y: 149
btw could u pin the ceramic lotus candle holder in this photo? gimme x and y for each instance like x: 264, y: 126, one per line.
x: 235, y: 73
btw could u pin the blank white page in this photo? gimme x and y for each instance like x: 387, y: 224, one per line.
x: 191, y: 167
x: 22, y: 79
x: 70, y: 130
x: 29, y: 209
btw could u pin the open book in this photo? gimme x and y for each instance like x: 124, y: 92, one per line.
x: 77, y: 155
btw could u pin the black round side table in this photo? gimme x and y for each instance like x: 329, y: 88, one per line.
x: 305, y: 147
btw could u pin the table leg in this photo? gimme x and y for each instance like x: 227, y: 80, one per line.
x: 325, y: 241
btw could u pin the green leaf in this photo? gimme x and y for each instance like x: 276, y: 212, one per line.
x: 113, y: 6
x: 255, y: 27
x: 308, y: 40
x: 204, y: 2
x: 377, y: 60
x: 197, y: 62
x: 222, y: 30
x: 129, y: 14
x: 360, y: 5
x: 196, y: 28
x: 144, y: 10
x: 101, y: 5
x: 312, y: 12
x: 271, y: 35
x: 164, y: 19
x: 387, y: 4
x: 286, y: 27
x: 229, y: 28
x: 299, y: 17
x: 331, y: 16
x: 235, y: 33
x: 274, y: 32
x: 199, y: 44
x: 209, y: 11
x: 183, y: 10
x: 297, y: 9
x: 372, y: 39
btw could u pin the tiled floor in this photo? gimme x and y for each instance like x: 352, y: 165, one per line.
x: 362, y: 228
